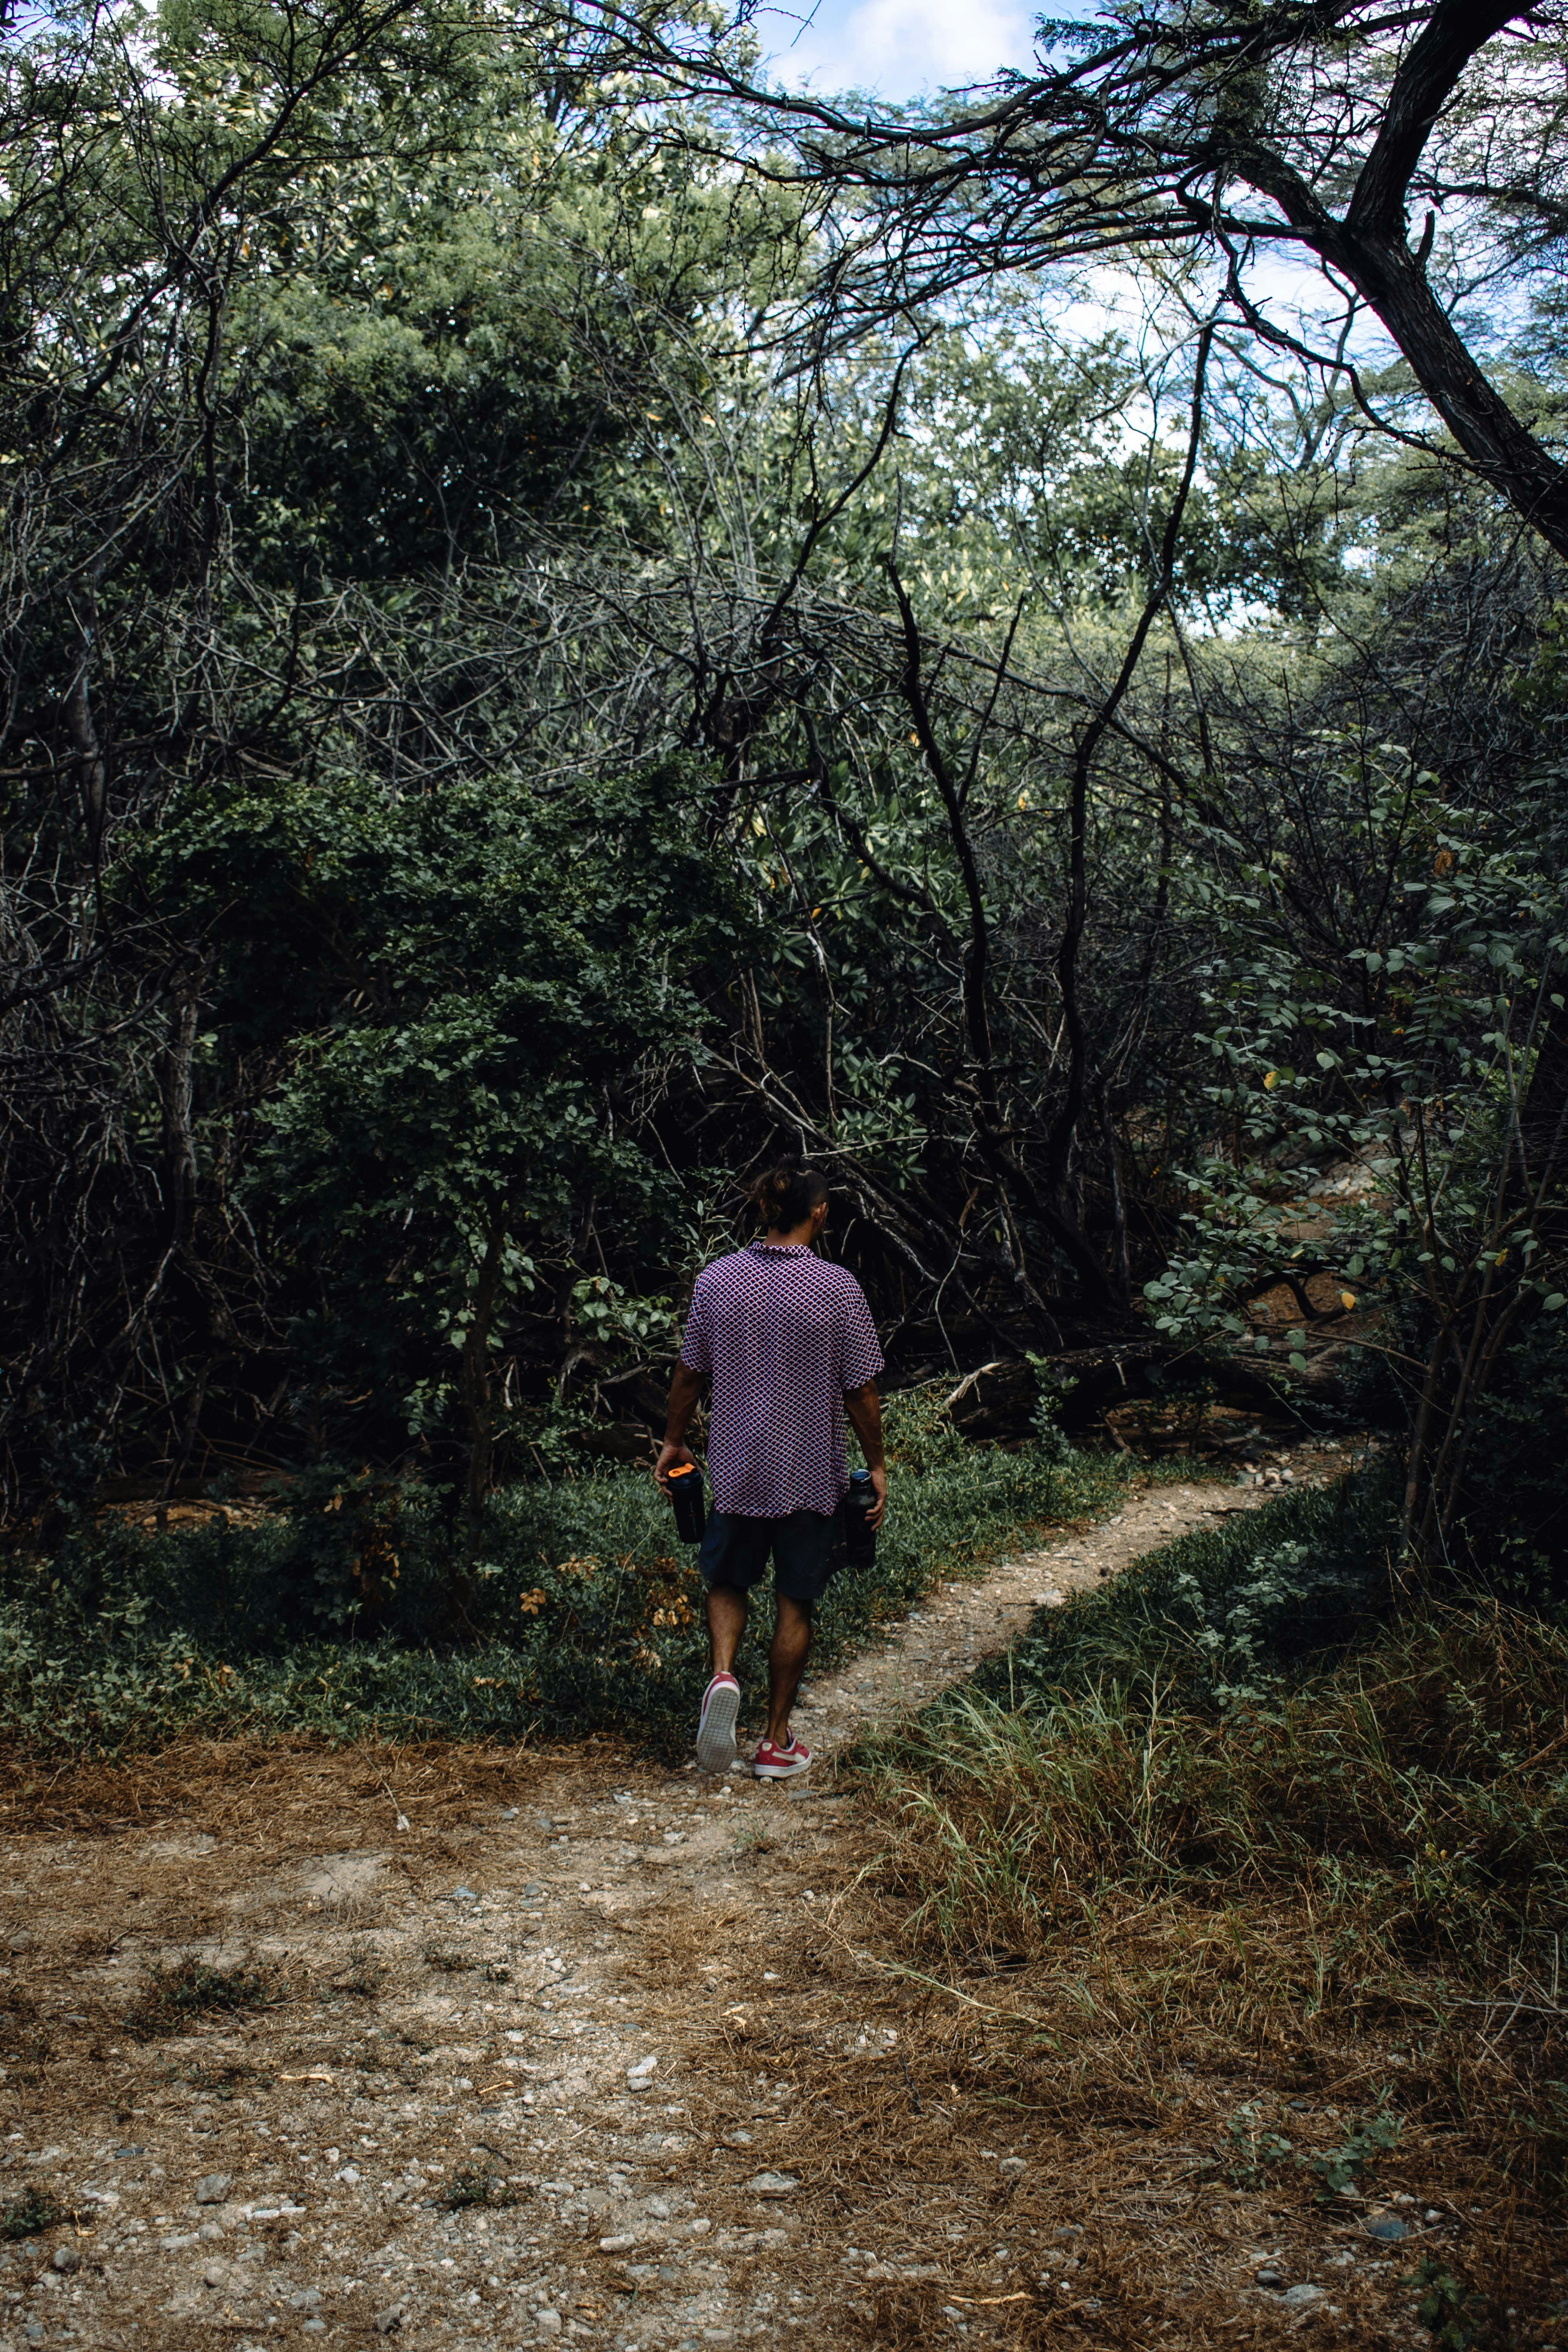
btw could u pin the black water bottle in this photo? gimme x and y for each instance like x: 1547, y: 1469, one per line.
x: 686, y: 1493
x: 859, y: 1535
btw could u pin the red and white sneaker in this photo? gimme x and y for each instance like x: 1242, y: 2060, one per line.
x: 776, y: 1763
x: 716, y: 1725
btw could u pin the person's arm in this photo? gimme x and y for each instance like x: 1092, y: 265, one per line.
x: 685, y: 1395
x: 864, y: 1407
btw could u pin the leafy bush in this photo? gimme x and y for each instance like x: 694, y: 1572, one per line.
x: 1221, y: 1614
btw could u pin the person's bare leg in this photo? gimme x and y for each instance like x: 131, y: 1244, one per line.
x: 726, y: 1624
x: 786, y: 1663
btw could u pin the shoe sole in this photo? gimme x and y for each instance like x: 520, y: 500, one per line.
x: 782, y: 1771
x: 716, y: 1732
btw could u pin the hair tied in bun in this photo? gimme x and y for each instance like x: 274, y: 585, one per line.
x: 787, y: 1195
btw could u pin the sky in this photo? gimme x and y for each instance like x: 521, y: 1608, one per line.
x: 898, y: 48
x: 906, y: 48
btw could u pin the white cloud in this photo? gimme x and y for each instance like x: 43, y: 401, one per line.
x: 897, y: 48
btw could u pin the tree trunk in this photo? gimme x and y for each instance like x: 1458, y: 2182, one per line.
x: 1505, y: 453
x: 476, y: 1389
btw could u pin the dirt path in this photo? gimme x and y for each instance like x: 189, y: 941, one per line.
x: 555, y: 2048
x: 962, y: 1622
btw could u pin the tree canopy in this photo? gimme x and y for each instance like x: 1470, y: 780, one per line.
x: 574, y: 619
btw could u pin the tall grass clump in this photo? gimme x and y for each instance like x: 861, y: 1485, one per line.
x: 1252, y: 1793
x: 1412, y: 1801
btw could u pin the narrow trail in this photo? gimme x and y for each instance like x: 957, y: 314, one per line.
x: 557, y: 2048
x: 963, y: 1622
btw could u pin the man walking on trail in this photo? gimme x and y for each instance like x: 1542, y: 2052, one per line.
x: 787, y: 1341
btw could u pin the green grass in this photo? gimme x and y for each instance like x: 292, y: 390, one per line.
x: 336, y: 1618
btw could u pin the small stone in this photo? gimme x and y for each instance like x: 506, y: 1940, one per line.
x: 1389, y: 2227
x: 66, y: 2259
x: 548, y: 2322
x: 1433, y: 2214
x: 620, y: 2244
x: 773, y: 2184
x: 464, y: 1895
x: 387, y: 2322
x: 1297, y: 2298
x: 349, y: 2176
x: 1268, y: 2276
x: 213, y: 2274
x: 640, y: 2076
x: 212, y: 2187
x: 1014, y: 2164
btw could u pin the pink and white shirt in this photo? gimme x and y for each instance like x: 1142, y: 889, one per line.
x: 782, y: 1333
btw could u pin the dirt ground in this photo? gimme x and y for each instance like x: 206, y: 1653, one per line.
x: 544, y: 2046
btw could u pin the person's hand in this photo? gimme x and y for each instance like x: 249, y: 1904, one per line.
x: 670, y: 1458
x: 880, y: 1488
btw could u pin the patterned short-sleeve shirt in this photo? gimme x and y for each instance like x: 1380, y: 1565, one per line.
x: 782, y: 1335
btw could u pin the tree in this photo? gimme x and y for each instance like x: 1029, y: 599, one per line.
x: 1197, y: 130
x: 308, y: 310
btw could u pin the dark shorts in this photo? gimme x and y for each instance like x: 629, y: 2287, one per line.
x: 806, y: 1547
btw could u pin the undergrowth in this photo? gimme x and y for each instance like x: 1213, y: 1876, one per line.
x: 1240, y: 1802
x: 343, y: 1616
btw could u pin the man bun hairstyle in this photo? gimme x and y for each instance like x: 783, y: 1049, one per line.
x: 787, y: 1195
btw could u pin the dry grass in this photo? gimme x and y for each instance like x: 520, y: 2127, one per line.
x: 1413, y: 1801
x: 974, y: 2130
x: 1230, y: 1981
x: 1133, y: 2070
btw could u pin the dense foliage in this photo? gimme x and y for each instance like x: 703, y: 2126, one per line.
x: 531, y: 685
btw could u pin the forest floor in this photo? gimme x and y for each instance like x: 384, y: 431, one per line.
x: 430, y: 2046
